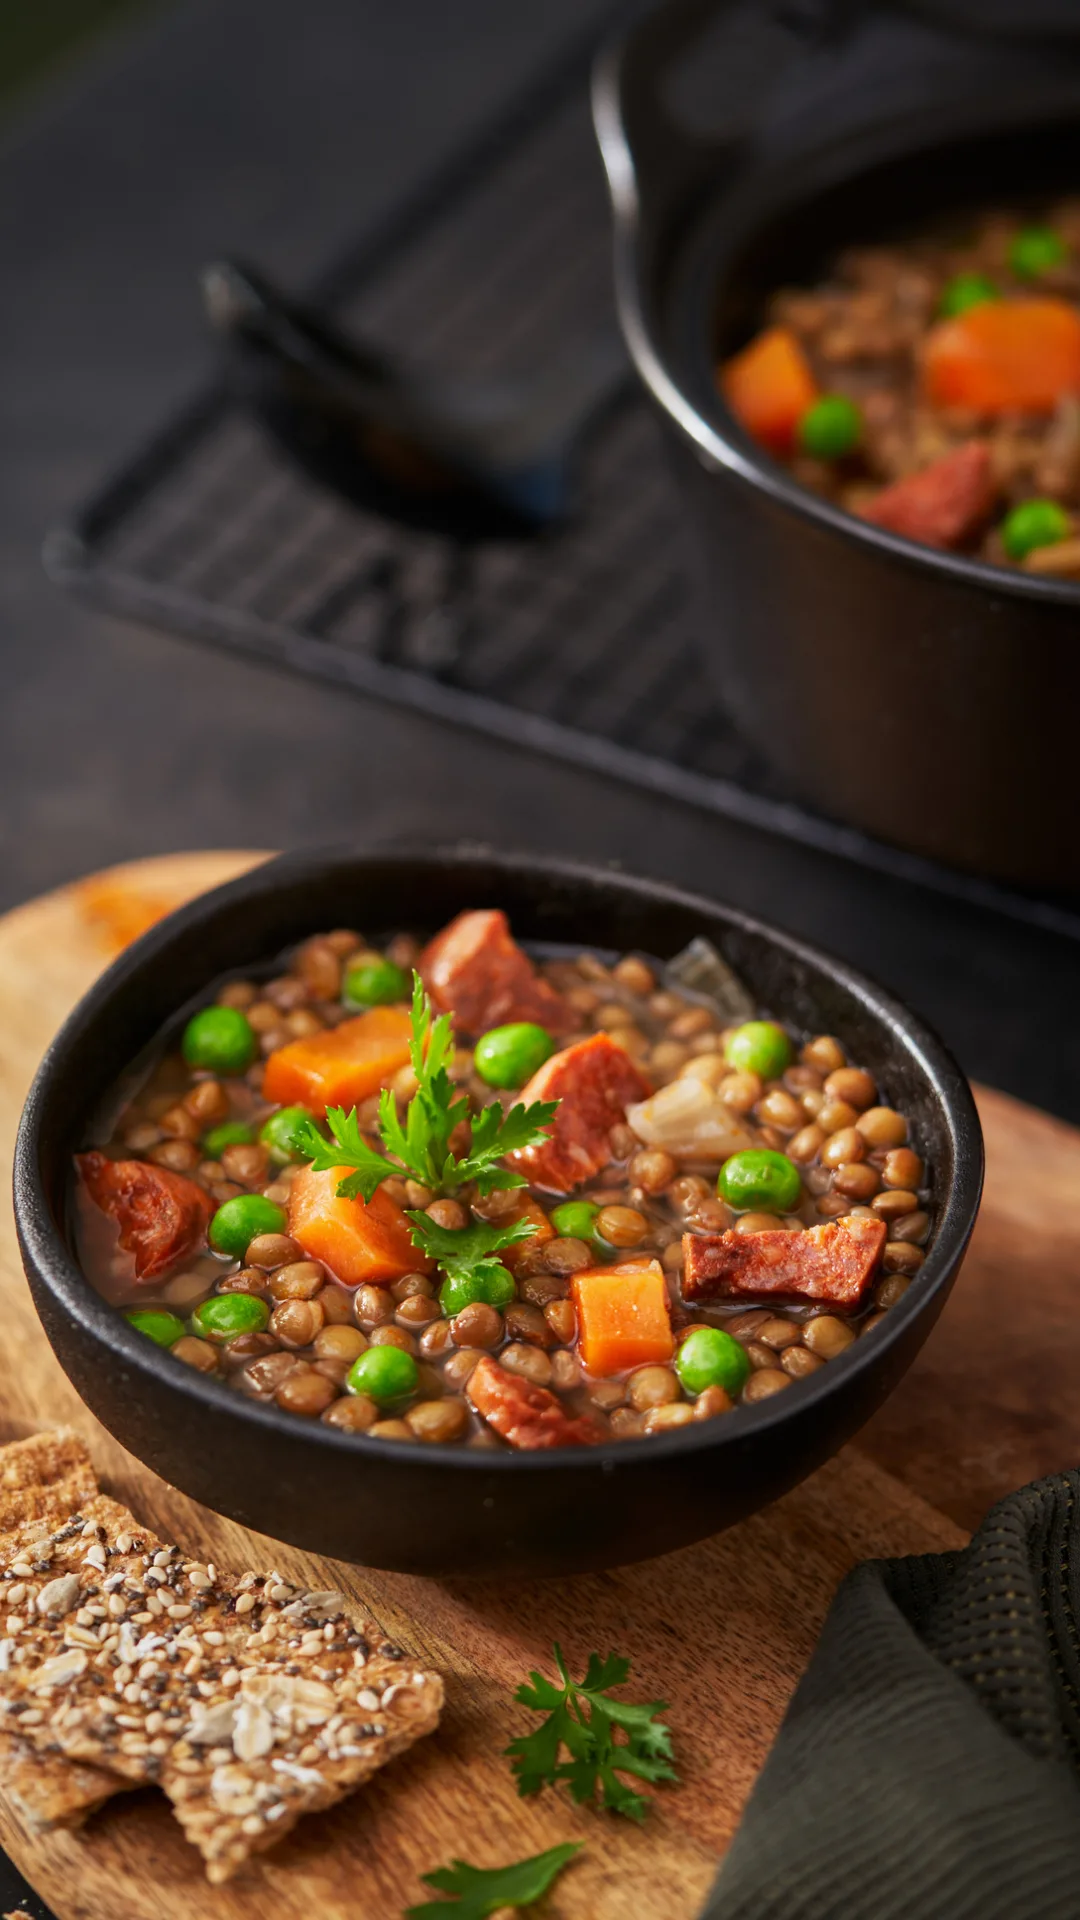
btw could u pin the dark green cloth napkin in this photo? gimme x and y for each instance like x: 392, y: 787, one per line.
x: 929, y: 1762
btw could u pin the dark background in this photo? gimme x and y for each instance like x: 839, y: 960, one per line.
x: 139, y: 141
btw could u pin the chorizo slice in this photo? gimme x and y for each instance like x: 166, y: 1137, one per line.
x: 942, y: 506
x: 162, y: 1217
x: 594, y: 1082
x: 833, y: 1262
x: 527, y: 1417
x: 475, y: 970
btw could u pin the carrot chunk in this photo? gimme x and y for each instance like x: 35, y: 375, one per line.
x: 342, y: 1066
x: 528, y: 1417
x: 944, y: 504
x: 161, y: 1216
x: 1004, y: 356
x: 833, y: 1262
x: 358, y: 1241
x: 624, y: 1317
x: 594, y: 1082
x: 475, y: 970
x: 768, y: 387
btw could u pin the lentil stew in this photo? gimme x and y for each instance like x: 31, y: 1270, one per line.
x: 932, y: 387
x: 644, y: 1201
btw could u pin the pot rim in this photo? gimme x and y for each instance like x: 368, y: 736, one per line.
x: 716, y: 436
x: 45, y: 1250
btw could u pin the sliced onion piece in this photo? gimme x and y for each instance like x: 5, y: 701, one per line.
x: 688, y: 1118
x: 700, y: 970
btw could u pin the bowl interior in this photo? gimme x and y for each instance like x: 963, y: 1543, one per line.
x: 256, y: 917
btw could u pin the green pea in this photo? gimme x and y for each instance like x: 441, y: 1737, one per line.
x: 1034, y: 523
x: 220, y: 1039
x: 236, y: 1223
x: 279, y: 1133
x: 709, y: 1357
x: 759, y: 1047
x: 231, y: 1133
x: 494, y: 1287
x: 831, y: 427
x: 374, y: 983
x: 227, y: 1314
x: 967, y: 290
x: 508, y: 1056
x: 759, y: 1181
x: 575, y: 1220
x: 383, y: 1373
x: 1035, y: 250
x: 163, y: 1328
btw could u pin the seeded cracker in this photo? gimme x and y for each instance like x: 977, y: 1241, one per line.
x: 42, y: 1480
x: 249, y: 1702
x: 44, y: 1477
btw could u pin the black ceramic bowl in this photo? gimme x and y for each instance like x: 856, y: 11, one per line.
x: 441, y: 1510
x: 927, y: 698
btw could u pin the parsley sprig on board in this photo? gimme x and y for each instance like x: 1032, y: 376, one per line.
x: 583, y: 1720
x: 420, y: 1146
x: 479, y: 1891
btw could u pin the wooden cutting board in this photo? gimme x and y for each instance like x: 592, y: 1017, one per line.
x: 721, y: 1630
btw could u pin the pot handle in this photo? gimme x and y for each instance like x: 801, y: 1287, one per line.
x: 651, y: 157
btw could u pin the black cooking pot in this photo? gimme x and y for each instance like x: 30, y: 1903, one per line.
x: 436, y: 1510
x: 929, y: 699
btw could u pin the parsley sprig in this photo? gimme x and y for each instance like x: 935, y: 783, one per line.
x: 468, y: 1253
x: 421, y: 1146
x: 346, y: 1147
x: 584, y: 1720
x: 479, y: 1891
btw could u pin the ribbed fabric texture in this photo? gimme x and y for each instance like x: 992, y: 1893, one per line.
x: 929, y: 1762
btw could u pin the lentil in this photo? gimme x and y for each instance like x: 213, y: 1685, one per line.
x: 438, y: 1421
x: 899, y: 1257
x: 764, y: 1383
x: 652, y: 1387
x: 300, y: 1280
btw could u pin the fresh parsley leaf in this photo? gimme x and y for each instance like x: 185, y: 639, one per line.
x: 466, y: 1253
x: 346, y: 1148
x: 584, y: 1720
x: 479, y: 1891
x: 495, y: 1134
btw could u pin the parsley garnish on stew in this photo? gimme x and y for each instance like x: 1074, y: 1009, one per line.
x: 467, y: 1253
x: 586, y: 1722
x: 479, y: 1891
x: 421, y: 1147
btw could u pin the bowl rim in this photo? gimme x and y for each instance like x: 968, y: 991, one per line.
x: 712, y: 429
x: 44, y: 1247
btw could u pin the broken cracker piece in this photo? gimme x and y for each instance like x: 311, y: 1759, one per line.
x: 48, y: 1791
x: 43, y: 1479
x: 248, y: 1701
x: 297, y: 1744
